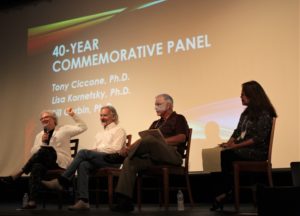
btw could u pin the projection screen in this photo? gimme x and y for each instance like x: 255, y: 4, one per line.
x: 86, y: 54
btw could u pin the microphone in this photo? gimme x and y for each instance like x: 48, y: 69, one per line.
x: 46, y: 131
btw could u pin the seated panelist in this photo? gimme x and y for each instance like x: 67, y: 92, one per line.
x: 250, y: 140
x: 51, y: 150
x: 151, y: 150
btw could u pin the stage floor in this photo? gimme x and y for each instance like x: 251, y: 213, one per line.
x: 11, y: 209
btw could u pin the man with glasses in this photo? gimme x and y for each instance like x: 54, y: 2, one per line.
x: 51, y: 150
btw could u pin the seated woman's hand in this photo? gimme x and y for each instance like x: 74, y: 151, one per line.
x: 229, y: 144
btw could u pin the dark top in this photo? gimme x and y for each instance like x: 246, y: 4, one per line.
x: 174, y: 125
x: 259, y: 130
x: 50, y: 133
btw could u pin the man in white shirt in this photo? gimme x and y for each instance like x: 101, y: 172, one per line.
x: 108, y: 141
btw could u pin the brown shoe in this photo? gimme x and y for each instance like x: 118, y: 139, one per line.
x: 124, y: 204
x: 80, y: 205
x: 53, y: 184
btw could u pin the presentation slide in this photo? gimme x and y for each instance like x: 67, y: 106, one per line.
x: 124, y: 53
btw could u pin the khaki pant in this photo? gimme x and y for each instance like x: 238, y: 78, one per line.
x: 149, y: 152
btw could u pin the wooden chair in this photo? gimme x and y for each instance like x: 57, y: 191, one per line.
x: 253, y: 166
x: 165, y: 171
x: 52, y: 174
x: 110, y: 173
x: 295, y: 170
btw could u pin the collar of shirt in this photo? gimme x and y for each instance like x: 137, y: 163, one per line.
x: 110, y: 126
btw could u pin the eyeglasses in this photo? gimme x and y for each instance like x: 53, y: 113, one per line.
x: 160, y: 104
x: 45, y: 118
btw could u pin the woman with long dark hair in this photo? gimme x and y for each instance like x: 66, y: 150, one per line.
x: 250, y: 140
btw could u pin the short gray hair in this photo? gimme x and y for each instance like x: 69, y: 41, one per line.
x: 52, y: 114
x: 113, y: 111
x: 167, y: 98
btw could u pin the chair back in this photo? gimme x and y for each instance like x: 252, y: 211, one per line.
x: 271, y: 140
x: 186, y: 154
x: 128, y: 140
x: 74, y: 147
x: 127, y: 144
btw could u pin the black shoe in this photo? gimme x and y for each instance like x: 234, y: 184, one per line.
x: 122, y: 208
x: 7, y: 180
x: 217, y: 205
x: 220, y: 200
x: 124, y: 204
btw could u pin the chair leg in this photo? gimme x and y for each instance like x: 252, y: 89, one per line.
x: 270, y: 175
x: 44, y: 201
x: 160, y: 197
x: 166, y: 188
x: 110, y: 190
x: 237, y: 187
x: 60, y: 198
x: 74, y: 189
x: 189, y: 189
x: 97, y: 191
x: 138, y: 189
